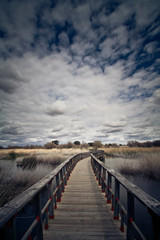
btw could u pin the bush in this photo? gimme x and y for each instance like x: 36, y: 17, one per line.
x: 69, y: 145
x: 12, y: 155
x: 50, y: 145
x: 77, y: 143
x: 84, y: 145
x: 97, y: 144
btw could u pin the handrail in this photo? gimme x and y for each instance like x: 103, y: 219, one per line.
x: 39, y: 201
x: 104, y: 176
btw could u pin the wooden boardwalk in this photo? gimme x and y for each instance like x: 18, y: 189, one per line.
x: 83, y: 212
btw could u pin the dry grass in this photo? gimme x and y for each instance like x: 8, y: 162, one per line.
x: 125, y: 151
x: 13, y: 182
x: 148, y: 166
x: 40, y: 152
x: 148, y: 160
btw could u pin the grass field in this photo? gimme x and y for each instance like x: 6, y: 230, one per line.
x: 4, y: 153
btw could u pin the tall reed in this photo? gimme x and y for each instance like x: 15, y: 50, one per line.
x: 36, y: 163
x: 13, y: 183
x: 148, y: 166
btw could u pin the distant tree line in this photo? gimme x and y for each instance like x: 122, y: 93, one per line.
x: 78, y: 144
x: 75, y: 144
x: 31, y: 146
x: 155, y: 143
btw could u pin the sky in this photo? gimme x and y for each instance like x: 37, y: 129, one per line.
x: 81, y: 70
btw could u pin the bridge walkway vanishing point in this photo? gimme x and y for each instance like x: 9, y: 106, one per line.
x: 83, y: 212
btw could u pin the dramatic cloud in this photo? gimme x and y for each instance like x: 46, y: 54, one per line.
x: 10, y: 79
x: 79, y: 70
x: 54, y: 112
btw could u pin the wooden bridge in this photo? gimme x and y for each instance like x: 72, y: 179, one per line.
x: 69, y: 204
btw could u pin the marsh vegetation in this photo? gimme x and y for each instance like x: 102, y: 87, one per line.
x: 35, y: 164
x: 139, y: 161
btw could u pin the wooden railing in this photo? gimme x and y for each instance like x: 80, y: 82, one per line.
x: 111, y: 183
x: 22, y: 217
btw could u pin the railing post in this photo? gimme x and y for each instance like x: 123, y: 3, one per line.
x: 109, y: 195
x: 63, y: 179
x: 46, y: 211
x: 71, y: 167
x: 39, y: 229
x: 155, y: 225
x: 122, y: 221
x: 116, y: 199
x: 59, y: 189
x: 46, y: 219
x: 68, y: 170
x: 96, y: 170
x: 99, y: 174
x: 65, y: 175
x: 93, y: 165
x: 55, y: 201
x: 130, y: 214
x: 61, y: 182
x: 51, y: 207
x: 103, y: 179
x: 92, y: 162
x: 9, y: 232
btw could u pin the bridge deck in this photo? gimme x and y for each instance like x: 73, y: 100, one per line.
x: 83, y: 212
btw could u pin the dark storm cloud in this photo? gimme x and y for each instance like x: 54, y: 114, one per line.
x: 55, y: 136
x: 11, y: 130
x: 114, y: 130
x: 138, y: 137
x: 55, y: 112
x: 144, y: 125
x: 57, y: 129
x: 2, y: 124
x: 10, y: 79
x: 111, y: 130
x: 115, y: 125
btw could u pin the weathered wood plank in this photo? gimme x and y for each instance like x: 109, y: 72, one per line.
x: 83, y: 213
x: 84, y: 235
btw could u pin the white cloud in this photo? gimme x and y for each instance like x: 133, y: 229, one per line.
x: 90, y: 97
x: 155, y: 98
x: 93, y: 87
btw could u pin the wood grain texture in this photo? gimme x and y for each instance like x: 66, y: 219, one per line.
x: 83, y: 212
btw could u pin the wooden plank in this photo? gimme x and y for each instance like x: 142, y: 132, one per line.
x: 83, y: 235
x: 83, y: 212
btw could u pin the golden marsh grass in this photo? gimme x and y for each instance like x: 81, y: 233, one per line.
x: 13, y: 182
